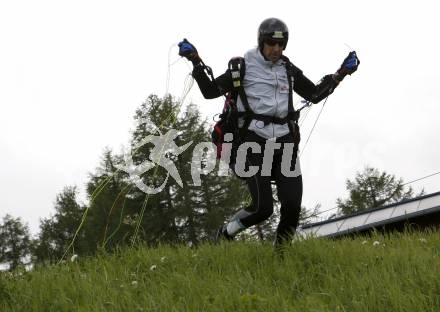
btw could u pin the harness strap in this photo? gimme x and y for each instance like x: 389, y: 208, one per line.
x: 266, y: 119
x: 237, y: 67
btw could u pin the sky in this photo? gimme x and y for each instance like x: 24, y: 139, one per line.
x: 72, y: 75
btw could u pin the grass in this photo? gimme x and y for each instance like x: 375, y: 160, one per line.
x: 400, y: 273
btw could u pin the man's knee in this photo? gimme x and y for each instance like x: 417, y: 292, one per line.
x: 264, y: 212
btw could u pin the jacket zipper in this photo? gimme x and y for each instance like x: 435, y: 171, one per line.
x: 276, y: 101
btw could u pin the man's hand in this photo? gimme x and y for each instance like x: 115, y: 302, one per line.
x: 348, y: 66
x: 189, y: 51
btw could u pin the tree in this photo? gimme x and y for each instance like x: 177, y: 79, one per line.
x: 109, y: 206
x: 15, y: 242
x: 154, y: 218
x: 372, y: 188
x: 307, y: 216
x: 58, y: 231
x: 186, y: 213
x: 119, y: 212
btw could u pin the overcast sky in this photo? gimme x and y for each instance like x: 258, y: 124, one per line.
x: 73, y: 73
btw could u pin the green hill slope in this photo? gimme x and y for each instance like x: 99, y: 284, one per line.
x: 400, y: 272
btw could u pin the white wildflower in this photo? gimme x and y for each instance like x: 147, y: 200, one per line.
x: 73, y: 258
x: 423, y: 240
x: 153, y: 267
x: 134, y: 283
x: 375, y: 243
x: 364, y: 242
x: 163, y: 259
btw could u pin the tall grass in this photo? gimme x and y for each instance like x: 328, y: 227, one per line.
x: 398, y: 272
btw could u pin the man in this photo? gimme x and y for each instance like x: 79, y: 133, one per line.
x: 268, y: 81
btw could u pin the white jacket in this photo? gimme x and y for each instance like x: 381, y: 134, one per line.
x: 267, y: 89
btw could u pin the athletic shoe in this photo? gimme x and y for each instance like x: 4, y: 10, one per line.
x: 222, y: 234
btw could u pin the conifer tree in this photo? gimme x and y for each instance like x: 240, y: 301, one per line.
x: 109, y: 208
x: 371, y: 189
x: 15, y: 242
x: 58, y: 231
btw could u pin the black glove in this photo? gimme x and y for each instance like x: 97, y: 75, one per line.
x: 348, y: 66
x: 189, y: 51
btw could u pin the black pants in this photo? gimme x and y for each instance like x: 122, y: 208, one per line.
x: 289, y: 190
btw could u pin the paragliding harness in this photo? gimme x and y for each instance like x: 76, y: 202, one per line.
x: 228, y: 122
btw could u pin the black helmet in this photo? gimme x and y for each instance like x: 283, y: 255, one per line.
x: 273, y: 29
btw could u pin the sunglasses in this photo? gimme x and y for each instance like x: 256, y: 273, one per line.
x: 273, y: 42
